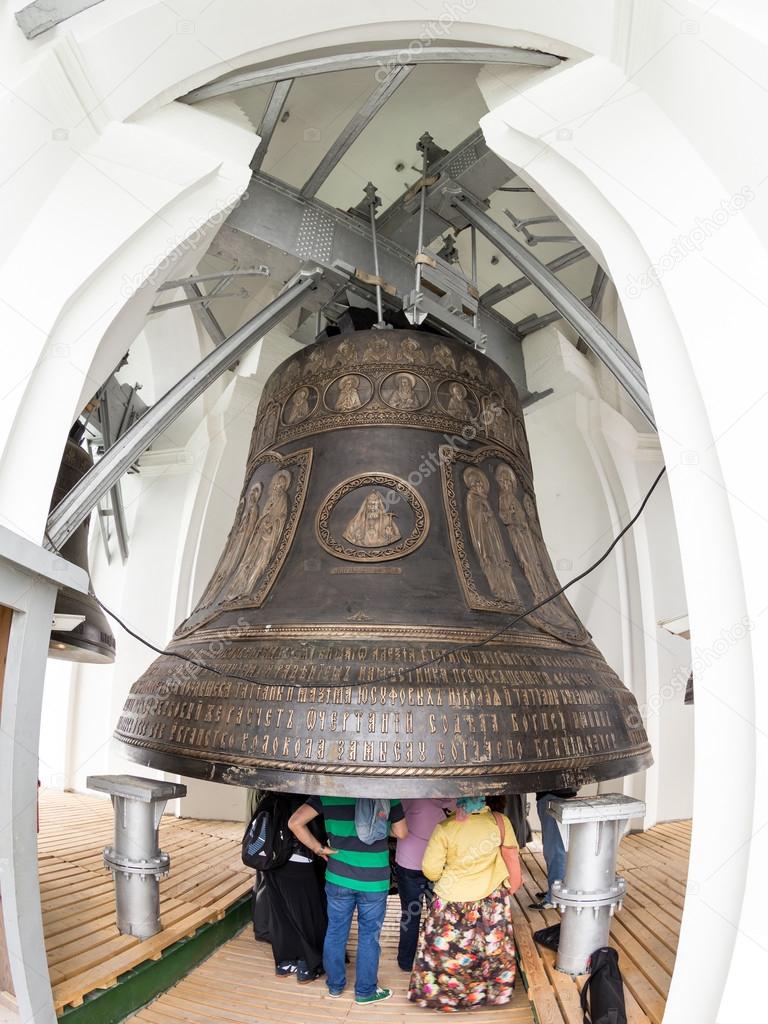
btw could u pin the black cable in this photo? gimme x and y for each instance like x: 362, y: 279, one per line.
x: 399, y: 673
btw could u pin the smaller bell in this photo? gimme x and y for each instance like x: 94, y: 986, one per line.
x: 91, y: 640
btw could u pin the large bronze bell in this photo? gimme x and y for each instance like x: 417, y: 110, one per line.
x: 387, y: 527
x: 91, y: 640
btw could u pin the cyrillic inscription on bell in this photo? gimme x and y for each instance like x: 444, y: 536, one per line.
x: 387, y: 527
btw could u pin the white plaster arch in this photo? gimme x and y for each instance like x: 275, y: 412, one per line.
x: 575, y: 145
x: 149, y: 219
x: 688, y: 312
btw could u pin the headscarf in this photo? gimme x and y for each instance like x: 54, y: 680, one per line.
x: 466, y: 805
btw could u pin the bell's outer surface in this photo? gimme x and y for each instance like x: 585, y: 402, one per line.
x: 386, y: 528
x: 91, y: 640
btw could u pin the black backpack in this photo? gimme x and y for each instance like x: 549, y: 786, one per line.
x: 605, y: 989
x: 268, y: 842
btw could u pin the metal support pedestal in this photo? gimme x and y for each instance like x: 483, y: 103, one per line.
x: 591, y: 892
x: 136, y: 861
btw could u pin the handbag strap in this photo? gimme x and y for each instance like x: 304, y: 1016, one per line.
x: 500, y: 826
x: 585, y: 1008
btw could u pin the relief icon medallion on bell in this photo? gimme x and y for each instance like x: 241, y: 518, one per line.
x: 386, y: 530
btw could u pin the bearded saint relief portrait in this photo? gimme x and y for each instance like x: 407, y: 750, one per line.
x: 299, y: 406
x: 373, y: 517
x: 348, y: 393
x: 372, y: 526
x: 457, y: 400
x: 405, y: 391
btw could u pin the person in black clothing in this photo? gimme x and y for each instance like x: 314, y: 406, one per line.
x: 297, y: 909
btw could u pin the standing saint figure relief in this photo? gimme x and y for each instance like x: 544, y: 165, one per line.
x: 246, y: 518
x: 404, y: 395
x: 410, y: 352
x: 342, y: 355
x: 372, y: 526
x: 349, y: 394
x: 267, y: 427
x: 316, y: 360
x: 262, y: 539
x: 470, y: 366
x: 443, y: 356
x: 527, y: 541
x: 487, y: 539
x: 377, y: 350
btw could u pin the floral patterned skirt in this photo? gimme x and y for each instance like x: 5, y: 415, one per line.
x: 466, y: 954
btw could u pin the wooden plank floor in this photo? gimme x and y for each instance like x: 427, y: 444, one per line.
x: 645, y: 932
x: 237, y: 984
x: 85, y: 950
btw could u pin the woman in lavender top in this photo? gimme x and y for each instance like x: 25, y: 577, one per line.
x: 421, y: 816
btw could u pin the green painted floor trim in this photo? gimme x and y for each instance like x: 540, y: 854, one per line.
x: 136, y: 988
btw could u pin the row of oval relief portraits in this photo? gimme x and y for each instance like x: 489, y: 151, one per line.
x: 401, y: 391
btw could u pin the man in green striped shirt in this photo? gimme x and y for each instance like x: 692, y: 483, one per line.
x: 357, y: 877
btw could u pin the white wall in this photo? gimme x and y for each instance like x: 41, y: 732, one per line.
x: 591, y: 468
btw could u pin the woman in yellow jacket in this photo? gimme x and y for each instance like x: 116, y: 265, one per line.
x: 466, y: 952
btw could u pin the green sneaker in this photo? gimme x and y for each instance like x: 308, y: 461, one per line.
x: 378, y: 995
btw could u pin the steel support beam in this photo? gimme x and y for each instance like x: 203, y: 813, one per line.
x: 532, y: 323
x: 354, y: 128
x: 271, y: 116
x: 605, y: 346
x: 470, y: 164
x: 201, y: 313
x: 598, y: 288
x: 222, y: 275
x: 278, y: 216
x: 116, y: 494
x: 500, y: 292
x: 384, y: 59
x: 77, y: 504
x: 42, y: 15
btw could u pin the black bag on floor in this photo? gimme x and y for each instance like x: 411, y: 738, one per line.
x: 549, y: 937
x: 604, y: 990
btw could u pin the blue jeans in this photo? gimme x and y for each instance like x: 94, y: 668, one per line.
x: 552, y: 841
x: 371, y: 908
x: 412, y: 886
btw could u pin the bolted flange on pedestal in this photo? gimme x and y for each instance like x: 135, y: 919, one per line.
x: 591, y: 891
x: 135, y: 860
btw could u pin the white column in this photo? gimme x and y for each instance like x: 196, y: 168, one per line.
x: 29, y: 579
x: 631, y: 184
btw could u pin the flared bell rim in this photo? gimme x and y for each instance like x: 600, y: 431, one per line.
x: 81, y: 652
x: 499, y: 717
x: 91, y: 641
x: 416, y: 784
